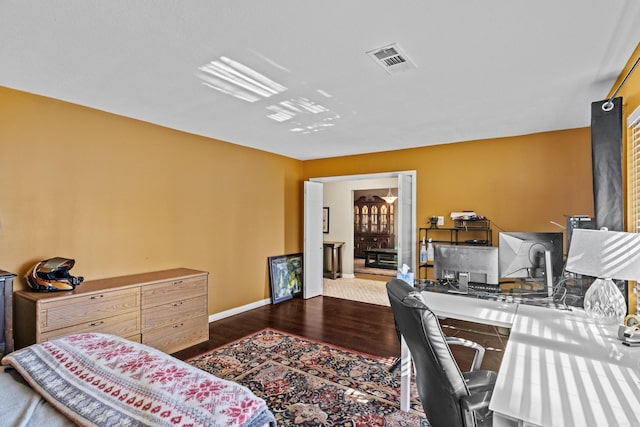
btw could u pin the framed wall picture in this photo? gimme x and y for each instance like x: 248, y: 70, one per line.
x: 285, y: 277
x: 325, y: 220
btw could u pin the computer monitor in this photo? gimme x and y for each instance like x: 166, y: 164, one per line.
x: 466, y: 264
x: 531, y: 255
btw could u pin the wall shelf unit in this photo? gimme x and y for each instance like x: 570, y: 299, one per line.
x: 473, y: 233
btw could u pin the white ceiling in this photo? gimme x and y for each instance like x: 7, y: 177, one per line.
x: 485, y: 69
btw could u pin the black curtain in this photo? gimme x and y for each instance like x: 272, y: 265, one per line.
x: 606, y: 153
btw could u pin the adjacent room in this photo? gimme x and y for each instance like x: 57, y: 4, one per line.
x: 334, y: 213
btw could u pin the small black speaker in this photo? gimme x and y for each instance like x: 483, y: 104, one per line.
x: 578, y: 221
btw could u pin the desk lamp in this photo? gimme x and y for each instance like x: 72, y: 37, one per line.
x: 605, y: 255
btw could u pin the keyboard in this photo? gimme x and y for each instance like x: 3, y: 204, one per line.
x: 481, y: 287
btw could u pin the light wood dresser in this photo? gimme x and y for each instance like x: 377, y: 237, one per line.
x: 166, y: 309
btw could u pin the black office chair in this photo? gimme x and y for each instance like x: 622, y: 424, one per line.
x: 449, y: 397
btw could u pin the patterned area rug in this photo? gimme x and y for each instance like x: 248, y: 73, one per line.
x: 310, y: 383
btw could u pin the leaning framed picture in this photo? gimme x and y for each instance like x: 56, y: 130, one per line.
x: 325, y: 220
x: 285, y: 277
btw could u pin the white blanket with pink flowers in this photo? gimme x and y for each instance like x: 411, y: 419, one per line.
x: 104, y: 380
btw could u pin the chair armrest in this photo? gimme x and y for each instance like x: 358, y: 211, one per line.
x: 477, y: 359
x: 480, y: 380
x: 478, y: 403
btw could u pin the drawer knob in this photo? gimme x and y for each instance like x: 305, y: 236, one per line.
x: 176, y: 304
x: 177, y: 282
x: 178, y: 325
x: 96, y: 323
x: 96, y: 297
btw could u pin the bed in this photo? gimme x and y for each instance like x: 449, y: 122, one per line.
x: 94, y: 379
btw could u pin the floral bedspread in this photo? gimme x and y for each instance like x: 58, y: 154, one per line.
x: 104, y: 380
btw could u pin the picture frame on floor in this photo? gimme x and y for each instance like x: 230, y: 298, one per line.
x: 285, y: 277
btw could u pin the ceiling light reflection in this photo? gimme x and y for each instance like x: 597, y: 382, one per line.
x: 324, y: 93
x: 228, y: 89
x: 220, y: 70
x: 298, y: 105
x: 309, y: 115
x: 280, y: 114
x: 238, y: 80
x: 267, y: 82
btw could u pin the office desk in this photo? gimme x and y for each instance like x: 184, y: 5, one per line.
x: 488, y: 312
x: 561, y: 369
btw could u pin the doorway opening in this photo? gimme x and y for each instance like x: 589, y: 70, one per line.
x: 337, y: 194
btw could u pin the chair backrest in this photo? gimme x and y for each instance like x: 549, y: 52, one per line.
x: 439, y: 380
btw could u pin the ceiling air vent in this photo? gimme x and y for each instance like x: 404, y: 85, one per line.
x: 392, y: 59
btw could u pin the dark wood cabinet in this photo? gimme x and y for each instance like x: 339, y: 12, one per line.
x: 6, y: 312
x: 373, y: 224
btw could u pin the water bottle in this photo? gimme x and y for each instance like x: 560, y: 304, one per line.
x: 423, y: 251
x: 430, y: 251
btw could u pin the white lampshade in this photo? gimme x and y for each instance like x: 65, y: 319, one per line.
x: 605, y: 254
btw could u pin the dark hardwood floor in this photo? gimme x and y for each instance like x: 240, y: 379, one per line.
x: 367, y: 328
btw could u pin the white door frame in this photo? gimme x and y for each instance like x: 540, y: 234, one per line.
x: 312, y: 283
x: 408, y: 230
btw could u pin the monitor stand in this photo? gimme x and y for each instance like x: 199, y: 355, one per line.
x: 548, y: 272
x: 463, y: 282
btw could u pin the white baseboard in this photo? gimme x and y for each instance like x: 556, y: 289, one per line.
x: 348, y: 275
x: 238, y: 310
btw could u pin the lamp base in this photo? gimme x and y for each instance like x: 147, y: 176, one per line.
x: 604, y: 302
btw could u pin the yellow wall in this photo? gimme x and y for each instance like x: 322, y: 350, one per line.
x: 519, y: 183
x: 122, y: 196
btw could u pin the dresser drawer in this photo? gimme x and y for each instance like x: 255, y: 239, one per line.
x: 174, y: 312
x: 178, y: 336
x: 124, y: 325
x: 174, y: 290
x: 57, y: 314
x: 136, y: 338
